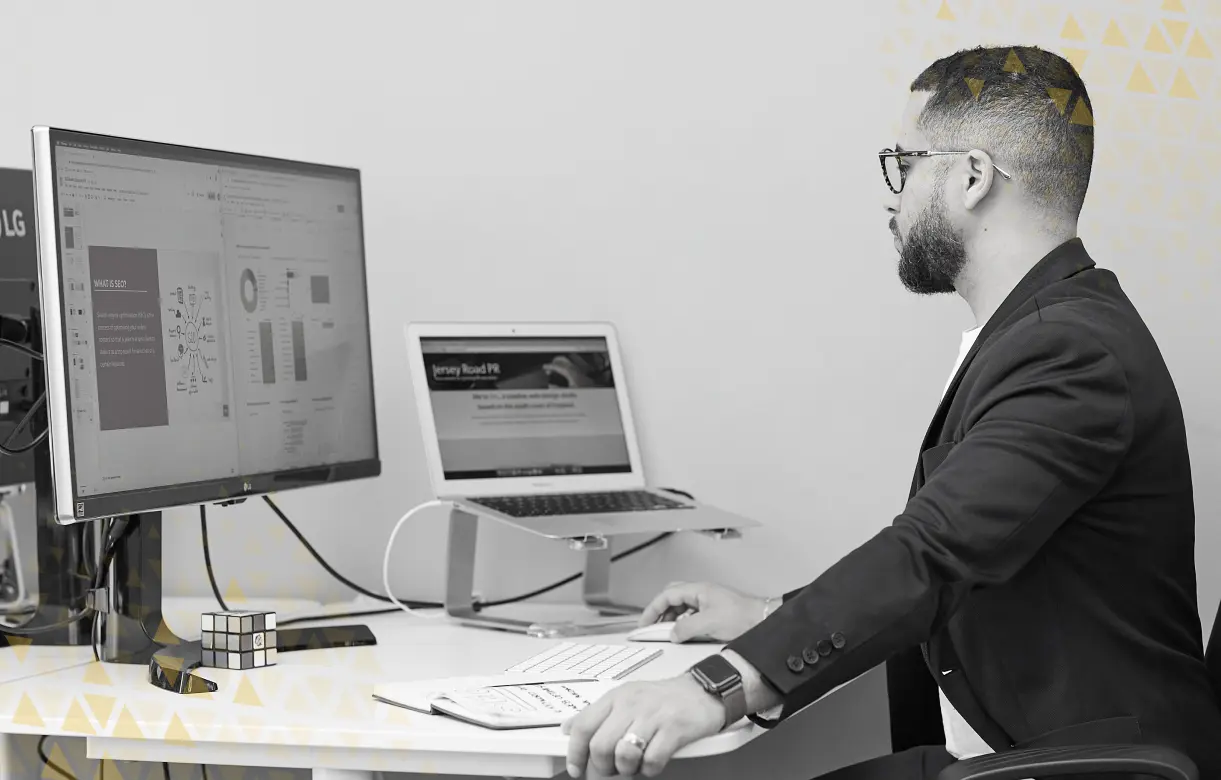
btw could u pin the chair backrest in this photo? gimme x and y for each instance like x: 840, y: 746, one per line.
x: 1212, y: 656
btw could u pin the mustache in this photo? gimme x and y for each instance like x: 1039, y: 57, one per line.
x: 894, y: 226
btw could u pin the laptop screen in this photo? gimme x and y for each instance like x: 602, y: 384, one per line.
x: 525, y: 407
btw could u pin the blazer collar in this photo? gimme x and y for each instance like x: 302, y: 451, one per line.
x: 1068, y: 259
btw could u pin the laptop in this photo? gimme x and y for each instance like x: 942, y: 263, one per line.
x: 530, y: 424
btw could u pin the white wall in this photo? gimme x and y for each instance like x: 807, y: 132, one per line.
x: 703, y: 174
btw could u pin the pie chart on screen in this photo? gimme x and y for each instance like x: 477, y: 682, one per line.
x: 250, y: 291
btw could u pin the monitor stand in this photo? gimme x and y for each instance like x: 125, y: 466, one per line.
x: 611, y: 616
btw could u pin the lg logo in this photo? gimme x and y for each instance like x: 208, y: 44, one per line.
x: 13, y: 223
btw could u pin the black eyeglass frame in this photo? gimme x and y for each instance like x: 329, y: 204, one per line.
x: 882, y: 155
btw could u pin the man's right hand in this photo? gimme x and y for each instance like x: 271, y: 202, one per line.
x: 713, y: 611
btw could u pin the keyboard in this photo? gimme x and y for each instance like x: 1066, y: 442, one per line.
x: 603, y: 662
x: 553, y: 504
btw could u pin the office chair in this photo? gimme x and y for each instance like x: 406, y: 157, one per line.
x: 1086, y: 760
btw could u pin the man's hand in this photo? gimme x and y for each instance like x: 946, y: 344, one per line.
x: 715, y: 612
x: 637, y: 727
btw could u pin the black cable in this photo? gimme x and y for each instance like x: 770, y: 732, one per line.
x: 478, y: 605
x: 165, y: 769
x: 330, y: 570
x: 203, y: 531
x: 315, y: 618
x: 22, y: 348
x: 6, y: 447
x: 56, y: 768
x: 204, y: 767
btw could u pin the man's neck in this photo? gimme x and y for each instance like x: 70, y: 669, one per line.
x: 999, y: 259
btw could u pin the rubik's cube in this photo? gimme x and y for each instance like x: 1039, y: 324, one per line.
x: 238, y: 640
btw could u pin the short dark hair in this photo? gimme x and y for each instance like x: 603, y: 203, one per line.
x: 1026, y: 107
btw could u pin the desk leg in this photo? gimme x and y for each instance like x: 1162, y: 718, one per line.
x: 342, y: 774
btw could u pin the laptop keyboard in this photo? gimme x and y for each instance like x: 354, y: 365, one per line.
x: 579, y: 503
x: 603, y: 662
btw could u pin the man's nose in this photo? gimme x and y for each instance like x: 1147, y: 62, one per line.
x: 890, y: 202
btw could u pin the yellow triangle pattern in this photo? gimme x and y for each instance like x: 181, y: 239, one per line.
x: 1177, y: 29
x: 234, y: 593
x: 1060, y: 97
x: 102, y: 706
x: 1013, y: 64
x: 95, y: 674
x: 21, y: 646
x: 1072, y: 30
x: 1140, y: 81
x: 1114, y: 36
x: 1157, y: 42
x: 1174, y: 5
x: 60, y: 760
x: 163, y: 635
x: 976, y: 86
x: 107, y: 769
x: 176, y: 733
x: 1076, y: 58
x: 77, y: 721
x: 126, y: 727
x: 1181, y: 88
x: 1198, y: 47
x: 27, y: 713
x: 246, y: 694
x: 944, y: 13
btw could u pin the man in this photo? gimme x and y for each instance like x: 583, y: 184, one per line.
x: 1044, y: 563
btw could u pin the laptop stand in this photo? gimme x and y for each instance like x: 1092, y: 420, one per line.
x: 595, y: 584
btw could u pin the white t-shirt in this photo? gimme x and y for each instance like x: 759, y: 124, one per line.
x: 960, y: 739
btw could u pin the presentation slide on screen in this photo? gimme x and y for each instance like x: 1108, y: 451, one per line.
x: 525, y: 409
x: 215, y: 320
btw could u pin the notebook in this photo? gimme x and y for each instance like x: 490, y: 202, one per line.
x: 507, y: 701
x: 539, y: 705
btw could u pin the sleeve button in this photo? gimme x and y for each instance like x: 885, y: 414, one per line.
x: 810, y: 655
x: 838, y: 641
x: 824, y: 647
x: 796, y: 664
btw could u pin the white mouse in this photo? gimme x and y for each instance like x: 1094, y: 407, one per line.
x: 654, y: 632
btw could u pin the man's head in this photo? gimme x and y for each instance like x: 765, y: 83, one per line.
x: 1020, y: 124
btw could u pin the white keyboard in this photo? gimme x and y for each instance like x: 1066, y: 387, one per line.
x: 604, y: 662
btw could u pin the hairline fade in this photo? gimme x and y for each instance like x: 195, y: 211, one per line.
x: 1026, y: 107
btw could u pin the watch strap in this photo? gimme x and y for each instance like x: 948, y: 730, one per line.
x: 729, y: 691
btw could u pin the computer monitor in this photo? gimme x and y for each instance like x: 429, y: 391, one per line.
x: 205, y: 324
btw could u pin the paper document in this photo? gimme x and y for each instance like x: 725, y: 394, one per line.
x: 522, y: 706
x: 419, y: 695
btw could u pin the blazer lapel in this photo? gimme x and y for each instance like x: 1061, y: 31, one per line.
x: 1062, y: 262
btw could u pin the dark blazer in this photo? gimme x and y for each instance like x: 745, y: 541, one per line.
x: 1045, y: 561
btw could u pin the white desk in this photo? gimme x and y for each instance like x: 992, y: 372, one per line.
x: 314, y: 709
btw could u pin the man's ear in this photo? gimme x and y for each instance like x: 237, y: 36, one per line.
x: 977, y: 179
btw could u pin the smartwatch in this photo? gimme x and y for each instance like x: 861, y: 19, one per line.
x: 721, y: 679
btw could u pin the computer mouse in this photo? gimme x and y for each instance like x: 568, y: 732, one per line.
x: 654, y: 632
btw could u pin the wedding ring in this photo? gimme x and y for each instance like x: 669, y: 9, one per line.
x: 634, y: 741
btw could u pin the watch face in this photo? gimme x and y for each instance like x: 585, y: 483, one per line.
x: 716, y: 672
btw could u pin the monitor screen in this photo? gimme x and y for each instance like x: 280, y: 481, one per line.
x: 524, y: 407
x: 213, y: 323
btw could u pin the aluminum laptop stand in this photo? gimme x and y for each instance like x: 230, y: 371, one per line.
x: 595, y: 584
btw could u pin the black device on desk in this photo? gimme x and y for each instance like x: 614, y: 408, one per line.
x: 319, y: 637
x: 205, y: 332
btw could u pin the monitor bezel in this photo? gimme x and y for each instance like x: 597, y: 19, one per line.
x: 443, y: 488
x: 73, y: 508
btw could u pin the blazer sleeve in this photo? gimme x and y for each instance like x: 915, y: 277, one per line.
x: 1048, y: 424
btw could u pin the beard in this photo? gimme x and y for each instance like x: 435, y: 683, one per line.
x: 933, y: 255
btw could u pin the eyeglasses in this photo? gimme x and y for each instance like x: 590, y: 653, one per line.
x: 895, y: 170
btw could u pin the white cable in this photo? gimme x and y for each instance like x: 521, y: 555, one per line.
x: 386, y: 561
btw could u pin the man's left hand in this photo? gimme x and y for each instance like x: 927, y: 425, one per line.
x: 660, y: 716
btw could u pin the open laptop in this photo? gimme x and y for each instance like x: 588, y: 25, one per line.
x: 531, y: 424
